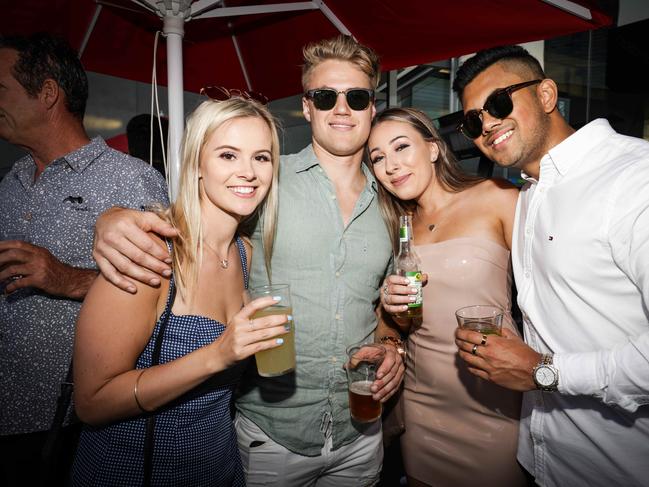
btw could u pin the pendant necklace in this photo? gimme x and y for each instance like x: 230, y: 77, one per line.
x: 223, y: 262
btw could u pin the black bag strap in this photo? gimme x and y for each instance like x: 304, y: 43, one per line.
x: 149, y: 438
x: 62, y: 405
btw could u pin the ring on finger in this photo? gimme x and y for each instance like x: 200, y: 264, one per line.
x: 474, y: 350
x: 484, y: 340
x: 385, y: 290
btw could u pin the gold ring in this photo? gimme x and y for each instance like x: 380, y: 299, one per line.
x: 474, y: 350
x: 484, y: 340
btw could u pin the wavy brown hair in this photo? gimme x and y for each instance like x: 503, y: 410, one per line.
x: 447, y: 169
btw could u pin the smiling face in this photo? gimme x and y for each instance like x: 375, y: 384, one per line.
x: 402, y: 159
x: 340, y: 131
x: 236, y: 167
x: 519, y: 140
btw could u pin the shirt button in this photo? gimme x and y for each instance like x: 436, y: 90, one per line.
x: 337, y: 274
x: 28, y: 216
x: 337, y: 316
x: 528, y: 231
x: 527, y: 275
x: 333, y: 196
x: 334, y: 360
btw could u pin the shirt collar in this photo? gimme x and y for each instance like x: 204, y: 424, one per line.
x: 569, y: 151
x: 79, y: 159
x: 565, y: 154
x: 307, y: 159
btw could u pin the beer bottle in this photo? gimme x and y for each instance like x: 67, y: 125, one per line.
x: 408, y: 264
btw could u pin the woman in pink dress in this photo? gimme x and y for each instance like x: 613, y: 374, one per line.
x: 460, y: 430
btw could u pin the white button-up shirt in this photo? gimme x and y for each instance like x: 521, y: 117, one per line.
x: 581, y: 262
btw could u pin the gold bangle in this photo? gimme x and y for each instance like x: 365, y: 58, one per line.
x: 137, y: 401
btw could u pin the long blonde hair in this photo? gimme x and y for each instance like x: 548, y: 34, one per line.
x: 185, y: 212
x: 447, y: 170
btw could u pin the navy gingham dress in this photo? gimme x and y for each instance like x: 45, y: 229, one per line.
x: 195, y: 439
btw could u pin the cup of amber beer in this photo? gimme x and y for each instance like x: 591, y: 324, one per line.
x: 279, y: 360
x: 362, y: 364
x: 484, y: 319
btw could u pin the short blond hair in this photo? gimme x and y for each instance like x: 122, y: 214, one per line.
x: 341, y: 48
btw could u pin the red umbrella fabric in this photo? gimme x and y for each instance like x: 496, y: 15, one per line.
x: 403, y: 32
x: 262, y: 51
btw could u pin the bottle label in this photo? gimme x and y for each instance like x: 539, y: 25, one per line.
x: 415, y: 282
x: 403, y: 234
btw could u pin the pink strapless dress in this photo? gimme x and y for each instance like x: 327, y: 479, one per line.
x: 460, y: 429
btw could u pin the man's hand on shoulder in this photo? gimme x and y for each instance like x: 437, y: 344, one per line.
x: 124, y: 249
x: 27, y: 265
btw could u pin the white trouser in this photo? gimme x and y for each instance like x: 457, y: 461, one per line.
x: 268, y: 463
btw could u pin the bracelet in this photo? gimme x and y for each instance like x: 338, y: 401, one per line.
x: 137, y: 401
x: 397, y: 342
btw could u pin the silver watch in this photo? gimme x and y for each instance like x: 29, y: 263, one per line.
x: 545, y: 374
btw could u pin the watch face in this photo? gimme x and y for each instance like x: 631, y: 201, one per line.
x: 545, y: 376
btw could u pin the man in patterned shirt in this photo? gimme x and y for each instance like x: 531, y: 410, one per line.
x: 49, y: 202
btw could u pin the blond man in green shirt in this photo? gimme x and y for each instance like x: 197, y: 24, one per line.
x: 333, y: 248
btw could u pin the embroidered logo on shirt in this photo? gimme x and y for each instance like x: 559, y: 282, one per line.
x: 75, y: 203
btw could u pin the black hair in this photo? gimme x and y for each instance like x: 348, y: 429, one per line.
x: 475, y: 65
x: 42, y: 56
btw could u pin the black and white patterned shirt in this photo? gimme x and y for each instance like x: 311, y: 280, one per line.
x: 57, y: 212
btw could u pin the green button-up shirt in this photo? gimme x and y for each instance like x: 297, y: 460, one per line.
x: 335, y: 272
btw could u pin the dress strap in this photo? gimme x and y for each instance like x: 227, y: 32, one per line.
x: 171, y: 294
x: 244, y: 260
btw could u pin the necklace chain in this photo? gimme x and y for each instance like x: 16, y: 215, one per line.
x: 223, y: 262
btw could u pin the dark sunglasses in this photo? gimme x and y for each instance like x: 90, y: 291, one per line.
x: 499, y: 104
x: 219, y: 93
x: 325, y: 98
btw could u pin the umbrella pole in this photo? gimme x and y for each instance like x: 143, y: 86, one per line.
x: 174, y: 31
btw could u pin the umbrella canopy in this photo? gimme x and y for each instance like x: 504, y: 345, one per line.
x: 257, y: 45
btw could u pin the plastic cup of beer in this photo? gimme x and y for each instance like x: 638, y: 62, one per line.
x: 279, y: 360
x: 484, y: 319
x: 362, y: 364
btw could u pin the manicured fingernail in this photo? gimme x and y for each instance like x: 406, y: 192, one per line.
x: 154, y: 282
x: 287, y: 327
x: 404, y: 307
x: 168, y: 260
x: 412, y: 299
x: 413, y: 289
x: 166, y: 272
x: 277, y: 298
x: 131, y: 289
x: 289, y: 317
x: 279, y: 341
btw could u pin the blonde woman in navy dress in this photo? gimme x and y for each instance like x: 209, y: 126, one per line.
x: 229, y: 170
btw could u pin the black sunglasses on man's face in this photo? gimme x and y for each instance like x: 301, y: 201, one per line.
x: 499, y: 105
x: 358, y: 99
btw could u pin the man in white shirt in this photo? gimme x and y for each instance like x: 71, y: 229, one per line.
x: 581, y: 262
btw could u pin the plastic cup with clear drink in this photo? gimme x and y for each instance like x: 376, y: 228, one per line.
x: 279, y: 360
x: 484, y: 319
